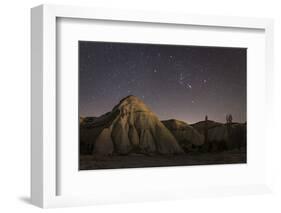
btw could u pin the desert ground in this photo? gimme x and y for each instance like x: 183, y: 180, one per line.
x: 89, y: 162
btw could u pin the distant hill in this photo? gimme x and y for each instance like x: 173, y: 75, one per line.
x: 200, y: 126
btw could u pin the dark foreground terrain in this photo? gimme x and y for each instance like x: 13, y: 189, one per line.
x: 89, y: 162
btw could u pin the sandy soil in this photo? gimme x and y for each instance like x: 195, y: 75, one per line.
x: 89, y: 162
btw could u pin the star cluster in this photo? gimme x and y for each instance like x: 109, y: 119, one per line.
x: 180, y: 82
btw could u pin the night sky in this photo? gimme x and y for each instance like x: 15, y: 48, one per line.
x: 180, y: 82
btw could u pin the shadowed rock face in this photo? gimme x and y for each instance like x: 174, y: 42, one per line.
x: 186, y: 135
x: 222, y: 137
x: 90, y: 130
x: 103, y: 143
x: 238, y: 136
x: 218, y: 133
x: 129, y: 127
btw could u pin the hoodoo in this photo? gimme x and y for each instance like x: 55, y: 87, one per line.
x: 131, y: 127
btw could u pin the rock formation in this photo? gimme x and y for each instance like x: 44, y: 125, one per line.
x: 130, y: 127
x: 186, y: 135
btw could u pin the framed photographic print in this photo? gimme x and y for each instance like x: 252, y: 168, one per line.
x: 160, y: 99
x: 148, y: 105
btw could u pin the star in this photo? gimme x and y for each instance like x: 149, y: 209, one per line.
x: 181, y: 78
x: 110, y: 71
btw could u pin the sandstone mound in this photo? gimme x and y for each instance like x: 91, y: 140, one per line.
x: 130, y: 127
x: 185, y: 134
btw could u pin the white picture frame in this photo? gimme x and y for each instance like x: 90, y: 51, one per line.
x: 44, y: 155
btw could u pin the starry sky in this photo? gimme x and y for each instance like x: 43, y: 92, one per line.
x: 174, y: 81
